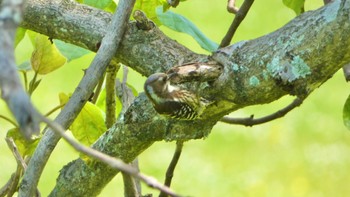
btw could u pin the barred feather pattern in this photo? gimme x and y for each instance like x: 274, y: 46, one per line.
x: 171, y: 101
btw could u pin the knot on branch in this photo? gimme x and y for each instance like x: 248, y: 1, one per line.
x: 142, y: 22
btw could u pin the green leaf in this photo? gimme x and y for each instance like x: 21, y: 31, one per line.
x: 181, y: 24
x: 346, y: 113
x: 45, y: 57
x: 25, y: 147
x: 70, y: 51
x: 296, y: 5
x: 19, y: 35
x: 101, y: 4
x: 89, y: 124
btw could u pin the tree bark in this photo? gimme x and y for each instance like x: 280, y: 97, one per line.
x: 293, y: 60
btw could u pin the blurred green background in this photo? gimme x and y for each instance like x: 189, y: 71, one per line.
x: 306, y: 153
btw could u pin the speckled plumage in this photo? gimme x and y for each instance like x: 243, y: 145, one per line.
x: 172, y: 101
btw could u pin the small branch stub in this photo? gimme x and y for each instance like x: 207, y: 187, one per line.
x: 231, y: 6
x: 142, y: 22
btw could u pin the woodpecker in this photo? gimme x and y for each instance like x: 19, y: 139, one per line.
x: 171, y: 101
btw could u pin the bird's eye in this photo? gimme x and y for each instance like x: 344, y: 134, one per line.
x: 163, y: 79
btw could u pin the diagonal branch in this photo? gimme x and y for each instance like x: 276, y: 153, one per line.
x: 171, y: 168
x: 239, y: 17
x: 94, y: 73
x: 11, y: 89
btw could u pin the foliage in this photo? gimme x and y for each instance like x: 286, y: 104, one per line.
x: 45, y: 57
x: 70, y: 51
x: 181, y: 24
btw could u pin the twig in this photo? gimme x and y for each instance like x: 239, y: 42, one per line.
x: 6, y: 188
x: 97, y: 91
x: 137, y: 182
x: 103, y: 57
x: 125, y: 79
x: 132, y: 187
x: 110, y: 93
x: 130, y: 184
x: 124, y: 93
x: 21, y: 166
x: 239, y: 17
x: 12, y: 184
x: 170, y: 171
x: 25, y: 78
x: 231, y: 6
x: 33, y: 84
x: 20, y: 161
x: 9, y: 120
x: 250, y: 121
x: 55, y: 109
x: 111, y: 161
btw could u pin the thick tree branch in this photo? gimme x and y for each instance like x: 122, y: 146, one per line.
x: 295, y: 60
